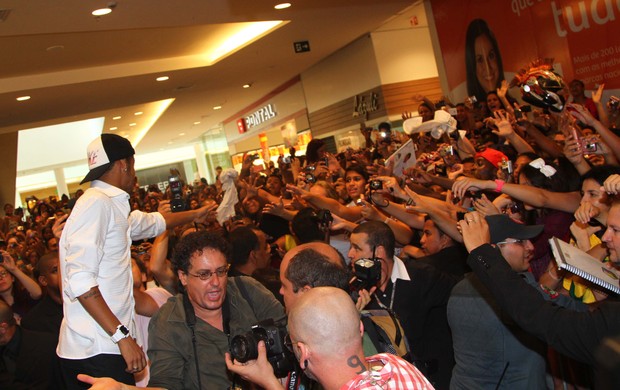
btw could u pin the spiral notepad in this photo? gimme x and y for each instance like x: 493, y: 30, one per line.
x: 582, y: 264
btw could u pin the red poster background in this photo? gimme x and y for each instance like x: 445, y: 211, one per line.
x: 580, y: 35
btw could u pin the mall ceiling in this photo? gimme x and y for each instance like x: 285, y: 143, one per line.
x: 76, y: 66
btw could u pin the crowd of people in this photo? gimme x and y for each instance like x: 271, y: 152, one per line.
x: 115, y: 286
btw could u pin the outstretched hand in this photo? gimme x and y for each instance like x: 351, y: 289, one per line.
x: 58, y: 225
x: 475, y: 230
x: 612, y: 184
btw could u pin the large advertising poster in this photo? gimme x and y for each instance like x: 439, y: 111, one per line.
x: 486, y: 41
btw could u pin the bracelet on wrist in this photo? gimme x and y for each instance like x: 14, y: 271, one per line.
x: 499, y: 184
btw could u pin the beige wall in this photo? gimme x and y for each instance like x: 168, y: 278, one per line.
x: 404, y: 50
x: 342, y: 75
x: 8, y: 168
x: 396, y: 53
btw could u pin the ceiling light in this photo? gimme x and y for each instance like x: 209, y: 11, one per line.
x: 247, y: 85
x: 23, y: 98
x: 181, y: 134
x: 125, y: 135
x: 113, y: 128
x: 243, y: 35
x: 115, y: 118
x: 138, y: 113
x: 196, y: 123
x: 169, y: 142
x: 282, y: 5
x: 102, y: 11
x: 217, y: 107
x: 162, y: 78
x: 132, y: 124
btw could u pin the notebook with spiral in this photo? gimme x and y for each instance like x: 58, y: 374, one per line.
x: 580, y: 263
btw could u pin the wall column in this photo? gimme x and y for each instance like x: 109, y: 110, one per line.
x: 61, y: 184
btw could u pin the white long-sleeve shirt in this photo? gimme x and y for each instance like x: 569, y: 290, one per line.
x: 95, y: 250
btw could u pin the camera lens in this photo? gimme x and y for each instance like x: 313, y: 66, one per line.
x: 376, y: 184
x: 244, y: 347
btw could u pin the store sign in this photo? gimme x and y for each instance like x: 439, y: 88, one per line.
x: 241, y: 126
x: 260, y: 116
x: 364, y: 104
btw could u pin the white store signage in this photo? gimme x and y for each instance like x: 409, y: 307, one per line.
x: 260, y: 116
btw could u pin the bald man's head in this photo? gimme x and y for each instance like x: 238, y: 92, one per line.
x: 311, y: 265
x: 326, y: 319
x: 330, y: 253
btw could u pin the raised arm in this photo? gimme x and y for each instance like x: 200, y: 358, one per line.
x: 184, y: 217
x: 597, y: 98
x: 501, y: 93
x: 33, y: 288
x: 505, y: 129
x: 544, y: 143
x: 583, y: 115
x: 574, y: 154
x: 370, y: 211
x: 159, y: 266
x: 322, y: 202
x: 533, y: 196
x: 438, y: 211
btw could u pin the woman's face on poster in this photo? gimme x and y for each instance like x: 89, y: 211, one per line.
x: 486, y: 63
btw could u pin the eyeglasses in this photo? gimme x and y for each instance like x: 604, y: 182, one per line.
x: 517, y: 242
x: 206, y: 275
x: 3, y: 274
x: 288, y: 342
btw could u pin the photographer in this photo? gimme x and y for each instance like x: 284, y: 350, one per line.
x: 417, y: 293
x: 326, y: 337
x: 189, y: 335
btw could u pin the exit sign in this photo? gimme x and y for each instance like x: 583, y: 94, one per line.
x: 301, y: 47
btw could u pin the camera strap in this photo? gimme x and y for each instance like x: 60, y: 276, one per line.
x: 292, y: 383
x: 190, y: 320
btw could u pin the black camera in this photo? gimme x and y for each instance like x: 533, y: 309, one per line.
x: 367, y: 274
x: 254, y: 157
x: 177, y: 203
x: 375, y: 185
x: 244, y: 347
x: 324, y: 217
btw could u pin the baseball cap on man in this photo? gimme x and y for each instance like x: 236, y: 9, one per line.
x: 502, y: 227
x: 103, y: 151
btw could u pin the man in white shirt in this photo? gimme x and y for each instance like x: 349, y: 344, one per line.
x: 96, y: 334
